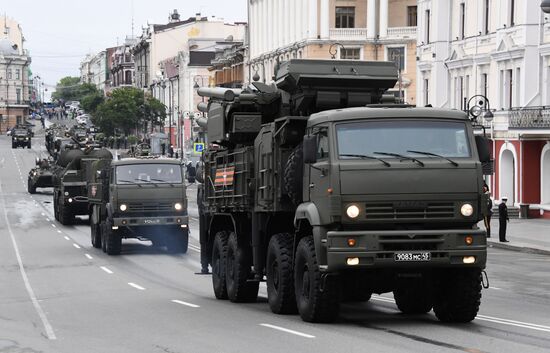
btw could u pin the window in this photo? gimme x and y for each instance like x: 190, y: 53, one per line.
x: 484, y: 84
x: 507, y: 93
x: 345, y: 17
x: 17, y: 74
x: 18, y: 95
x: 460, y: 92
x: 512, y: 13
x: 322, y: 144
x: 486, y: 17
x: 462, y: 20
x: 411, y: 16
x: 427, y: 26
x: 426, y: 91
x: 350, y: 53
x: 9, y: 74
x: 397, y: 55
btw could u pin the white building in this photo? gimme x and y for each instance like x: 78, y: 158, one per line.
x: 499, y: 49
x: 93, y: 69
x: 365, y: 29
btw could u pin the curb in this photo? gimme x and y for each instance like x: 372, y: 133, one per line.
x: 524, y: 249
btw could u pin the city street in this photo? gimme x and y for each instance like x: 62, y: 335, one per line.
x: 59, y: 294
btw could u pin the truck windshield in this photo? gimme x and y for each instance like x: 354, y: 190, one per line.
x: 441, y: 138
x: 148, y: 174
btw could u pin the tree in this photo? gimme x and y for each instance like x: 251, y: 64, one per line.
x: 91, y: 101
x: 67, y: 88
x: 126, y: 109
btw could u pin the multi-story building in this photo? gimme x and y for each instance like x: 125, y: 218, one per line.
x: 364, y: 30
x: 500, y: 50
x: 15, y: 82
x: 227, y: 68
x: 122, y: 64
x: 93, y: 69
x: 85, y: 69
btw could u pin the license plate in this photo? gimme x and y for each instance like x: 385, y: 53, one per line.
x: 151, y: 221
x: 413, y: 256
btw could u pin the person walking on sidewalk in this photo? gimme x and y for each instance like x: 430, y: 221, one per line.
x: 489, y: 214
x: 502, y: 220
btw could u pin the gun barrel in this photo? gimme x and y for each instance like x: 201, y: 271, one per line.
x: 202, y: 107
x: 227, y: 94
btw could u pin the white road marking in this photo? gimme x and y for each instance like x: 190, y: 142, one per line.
x: 76, y: 246
x: 106, y: 270
x: 88, y: 256
x: 43, y: 215
x: 301, y: 334
x: 194, y: 248
x: 135, y: 286
x: 514, y: 323
x: 47, y: 219
x: 59, y: 231
x: 185, y: 303
x: 53, y: 225
x: 47, y: 326
x: 66, y: 237
x: 495, y: 288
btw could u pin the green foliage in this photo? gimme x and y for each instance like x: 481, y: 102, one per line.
x: 91, y: 101
x: 126, y: 109
x: 70, y: 89
x: 132, y: 139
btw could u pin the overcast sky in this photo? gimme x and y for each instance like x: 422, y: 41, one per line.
x: 60, y: 33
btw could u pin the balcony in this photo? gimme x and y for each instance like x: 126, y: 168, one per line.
x: 529, y: 118
x: 401, y: 33
x: 348, y: 34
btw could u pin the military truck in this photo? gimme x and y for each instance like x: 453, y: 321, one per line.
x: 40, y: 176
x: 328, y: 190
x: 20, y: 137
x: 141, y: 197
x: 69, y: 179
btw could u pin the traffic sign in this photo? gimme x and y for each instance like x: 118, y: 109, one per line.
x: 198, y: 147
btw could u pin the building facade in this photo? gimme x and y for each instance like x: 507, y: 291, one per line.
x: 364, y: 30
x: 15, y: 77
x: 122, y: 65
x: 499, y: 49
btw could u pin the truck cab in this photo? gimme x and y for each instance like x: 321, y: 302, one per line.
x: 20, y: 137
x: 142, y: 197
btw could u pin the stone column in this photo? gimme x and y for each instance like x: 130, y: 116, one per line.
x: 383, y: 18
x: 312, y: 29
x: 325, y: 19
x: 371, y: 19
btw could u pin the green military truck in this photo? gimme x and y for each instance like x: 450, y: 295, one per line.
x: 141, y: 197
x: 40, y: 176
x: 21, y: 137
x: 69, y: 181
x: 330, y: 193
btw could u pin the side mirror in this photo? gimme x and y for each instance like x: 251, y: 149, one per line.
x: 482, y: 144
x: 37, y: 161
x: 310, y: 149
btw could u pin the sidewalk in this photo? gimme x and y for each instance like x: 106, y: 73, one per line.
x: 527, y: 235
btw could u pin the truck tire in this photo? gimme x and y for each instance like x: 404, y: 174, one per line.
x: 414, y: 298
x: 237, y: 271
x: 280, y: 274
x: 113, y: 240
x: 293, y: 173
x: 65, y: 215
x: 29, y: 145
x: 458, y: 296
x: 219, y: 258
x: 95, y: 232
x: 317, y: 297
x: 30, y: 188
x: 102, y: 228
x: 178, y: 242
x: 55, y: 208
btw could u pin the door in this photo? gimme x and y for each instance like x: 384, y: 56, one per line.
x: 319, y: 172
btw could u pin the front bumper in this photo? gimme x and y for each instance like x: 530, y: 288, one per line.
x: 377, y: 249
x: 174, y: 220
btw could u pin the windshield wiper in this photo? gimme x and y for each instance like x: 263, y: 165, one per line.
x: 129, y: 181
x: 147, y: 181
x: 366, y: 157
x: 401, y: 156
x: 163, y: 181
x: 434, y: 155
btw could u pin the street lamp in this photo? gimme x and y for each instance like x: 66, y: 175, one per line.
x: 545, y: 6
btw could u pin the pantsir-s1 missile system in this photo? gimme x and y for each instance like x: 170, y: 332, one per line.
x: 330, y: 194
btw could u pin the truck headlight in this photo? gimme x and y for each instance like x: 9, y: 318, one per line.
x: 467, y: 210
x: 178, y: 206
x: 352, y: 211
x: 66, y: 193
x: 123, y: 207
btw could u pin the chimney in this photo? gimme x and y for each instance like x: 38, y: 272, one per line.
x: 174, y: 16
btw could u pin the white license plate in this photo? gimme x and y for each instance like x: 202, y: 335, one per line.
x: 151, y: 221
x: 413, y: 256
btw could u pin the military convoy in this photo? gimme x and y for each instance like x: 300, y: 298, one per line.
x: 40, y: 176
x: 138, y: 197
x: 324, y: 187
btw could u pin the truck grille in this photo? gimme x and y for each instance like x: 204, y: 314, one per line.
x: 409, y: 210
x: 406, y: 243
x: 150, y: 207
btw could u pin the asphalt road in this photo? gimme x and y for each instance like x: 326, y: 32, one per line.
x: 59, y: 294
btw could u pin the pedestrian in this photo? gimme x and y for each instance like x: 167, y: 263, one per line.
x: 502, y: 220
x: 489, y: 213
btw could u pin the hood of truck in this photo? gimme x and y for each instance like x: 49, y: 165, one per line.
x: 150, y: 194
x: 408, y: 178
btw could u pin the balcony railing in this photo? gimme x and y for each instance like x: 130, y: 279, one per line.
x: 348, y: 33
x: 402, y: 32
x: 531, y: 117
